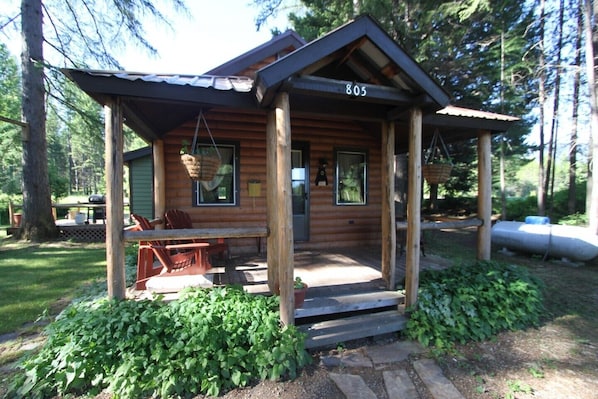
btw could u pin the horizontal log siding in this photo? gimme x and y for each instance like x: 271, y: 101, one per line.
x: 330, y: 225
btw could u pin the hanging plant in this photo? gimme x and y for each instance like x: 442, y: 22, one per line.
x: 438, y: 166
x: 204, y: 165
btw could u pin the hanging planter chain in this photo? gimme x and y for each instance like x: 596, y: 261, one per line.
x: 201, y: 167
x: 436, y: 173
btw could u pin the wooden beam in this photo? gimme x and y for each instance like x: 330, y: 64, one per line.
x: 271, y: 204
x: 344, y: 89
x: 413, y: 207
x: 484, y: 194
x: 188, y: 234
x: 389, y: 232
x: 115, y: 245
x: 284, y: 208
x: 159, y: 179
x: 456, y: 224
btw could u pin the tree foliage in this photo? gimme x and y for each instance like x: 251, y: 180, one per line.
x: 10, y: 134
x: 482, y: 52
x: 78, y: 33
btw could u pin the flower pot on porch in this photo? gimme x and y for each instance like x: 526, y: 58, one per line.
x: 300, y: 295
x: 300, y: 290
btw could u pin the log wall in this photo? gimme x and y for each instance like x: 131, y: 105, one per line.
x: 330, y: 225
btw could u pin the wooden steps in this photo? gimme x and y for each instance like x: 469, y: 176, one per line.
x: 332, y: 332
x: 348, y: 303
x: 349, y: 317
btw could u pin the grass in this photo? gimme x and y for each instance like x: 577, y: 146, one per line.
x: 41, y: 278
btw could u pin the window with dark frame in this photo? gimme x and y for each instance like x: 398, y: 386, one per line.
x: 350, y: 177
x: 222, y: 190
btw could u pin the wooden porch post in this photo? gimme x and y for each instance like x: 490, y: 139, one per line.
x: 115, y: 244
x: 484, y: 194
x: 284, y: 209
x: 271, y: 204
x: 159, y: 180
x: 413, y: 206
x: 389, y: 230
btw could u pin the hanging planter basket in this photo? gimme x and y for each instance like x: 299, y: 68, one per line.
x: 437, y: 173
x: 201, y: 167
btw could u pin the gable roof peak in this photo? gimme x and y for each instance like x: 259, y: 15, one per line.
x: 359, y: 50
x: 275, y: 48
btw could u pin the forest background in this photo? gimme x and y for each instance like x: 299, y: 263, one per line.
x: 527, y: 60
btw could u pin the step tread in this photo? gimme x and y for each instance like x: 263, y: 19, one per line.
x: 348, y: 303
x: 331, y: 332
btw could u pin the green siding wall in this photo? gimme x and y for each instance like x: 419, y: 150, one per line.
x: 142, y: 188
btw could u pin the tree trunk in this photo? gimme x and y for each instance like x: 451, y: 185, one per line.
x: 591, y: 9
x: 38, y: 222
x: 552, y: 144
x: 542, y: 101
x: 433, y: 197
x: 572, y: 191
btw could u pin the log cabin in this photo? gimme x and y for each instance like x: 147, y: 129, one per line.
x: 318, y: 125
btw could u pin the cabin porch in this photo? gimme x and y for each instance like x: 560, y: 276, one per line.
x: 347, y: 298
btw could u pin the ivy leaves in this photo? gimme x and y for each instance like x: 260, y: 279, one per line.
x: 473, y: 302
x: 206, y: 342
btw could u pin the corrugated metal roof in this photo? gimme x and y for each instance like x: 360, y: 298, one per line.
x: 240, y: 84
x: 452, y: 110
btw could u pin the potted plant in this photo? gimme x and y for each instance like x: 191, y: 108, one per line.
x: 438, y: 171
x: 300, y: 291
x: 201, y: 166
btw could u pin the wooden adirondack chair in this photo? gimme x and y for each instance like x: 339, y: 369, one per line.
x: 179, y: 219
x: 175, y: 259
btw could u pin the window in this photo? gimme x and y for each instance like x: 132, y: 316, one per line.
x: 222, y: 190
x: 350, y: 177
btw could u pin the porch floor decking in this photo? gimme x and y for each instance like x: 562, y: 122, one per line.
x: 334, y: 272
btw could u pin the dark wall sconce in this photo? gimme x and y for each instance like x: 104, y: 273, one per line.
x: 321, y: 178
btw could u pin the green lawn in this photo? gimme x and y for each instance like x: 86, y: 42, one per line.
x: 40, y: 277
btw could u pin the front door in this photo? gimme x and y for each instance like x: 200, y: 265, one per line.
x: 300, y: 187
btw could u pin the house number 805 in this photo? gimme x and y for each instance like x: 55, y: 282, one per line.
x: 355, y: 90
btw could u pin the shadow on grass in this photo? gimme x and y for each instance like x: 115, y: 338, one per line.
x: 43, y: 277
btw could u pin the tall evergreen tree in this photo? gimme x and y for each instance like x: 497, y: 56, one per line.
x: 458, y: 43
x: 77, y: 30
x: 10, y: 133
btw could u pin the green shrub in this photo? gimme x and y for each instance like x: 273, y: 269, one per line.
x: 208, y: 341
x: 473, y: 302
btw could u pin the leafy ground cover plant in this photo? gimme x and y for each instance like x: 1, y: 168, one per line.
x: 208, y: 341
x: 472, y: 302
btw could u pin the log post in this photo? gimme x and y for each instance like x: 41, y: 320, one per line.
x: 159, y: 180
x: 271, y: 204
x: 284, y: 209
x: 115, y: 245
x: 413, y: 207
x: 389, y: 232
x: 484, y: 194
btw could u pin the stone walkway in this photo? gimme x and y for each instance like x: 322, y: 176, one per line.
x: 391, y: 361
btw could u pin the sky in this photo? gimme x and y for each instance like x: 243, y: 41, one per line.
x: 215, y: 32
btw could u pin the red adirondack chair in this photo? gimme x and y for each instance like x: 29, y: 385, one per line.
x: 174, y: 259
x: 179, y: 219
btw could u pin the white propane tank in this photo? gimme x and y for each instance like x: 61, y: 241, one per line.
x: 554, y: 240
